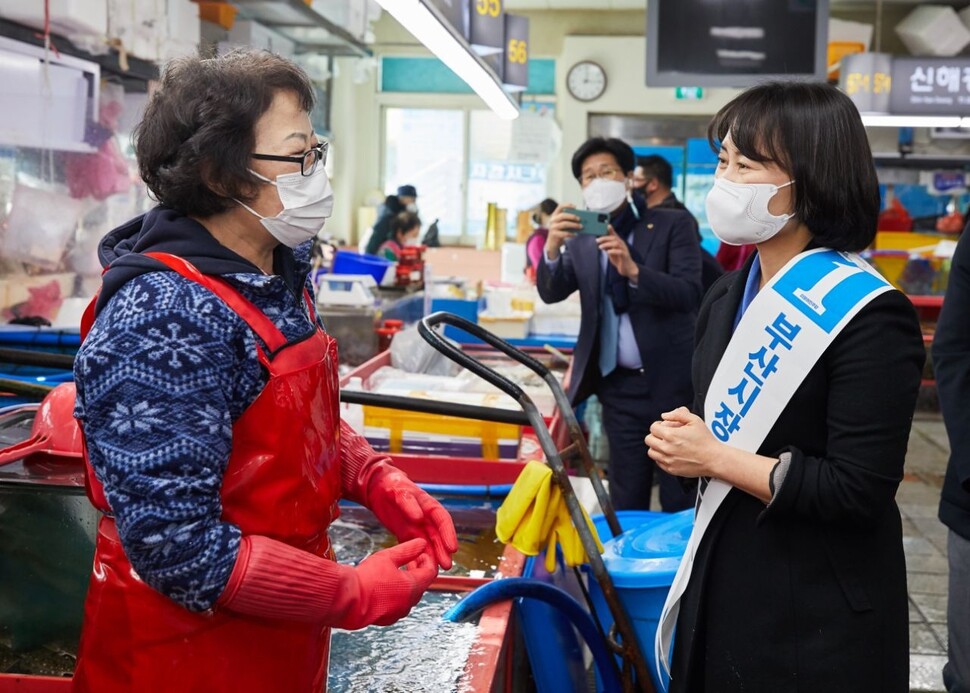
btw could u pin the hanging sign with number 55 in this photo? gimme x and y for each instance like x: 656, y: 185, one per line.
x: 487, y: 30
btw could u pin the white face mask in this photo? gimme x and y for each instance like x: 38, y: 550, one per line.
x: 738, y: 212
x: 604, y: 194
x: 307, y: 202
x: 412, y: 207
x: 411, y: 243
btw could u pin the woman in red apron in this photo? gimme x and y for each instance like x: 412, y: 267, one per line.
x: 207, y: 392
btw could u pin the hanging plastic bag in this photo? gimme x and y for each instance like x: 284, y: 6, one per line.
x: 411, y: 353
x: 40, y: 226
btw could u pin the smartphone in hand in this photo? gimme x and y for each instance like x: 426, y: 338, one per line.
x: 594, y: 223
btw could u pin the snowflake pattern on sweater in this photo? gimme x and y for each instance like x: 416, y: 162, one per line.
x: 164, y: 373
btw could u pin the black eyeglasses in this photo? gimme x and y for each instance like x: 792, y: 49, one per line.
x: 308, y: 160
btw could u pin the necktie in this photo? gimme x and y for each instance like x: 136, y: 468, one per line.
x: 609, y: 330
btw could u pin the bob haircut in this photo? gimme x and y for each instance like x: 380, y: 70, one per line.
x: 195, y: 142
x: 814, y: 132
x: 620, y: 150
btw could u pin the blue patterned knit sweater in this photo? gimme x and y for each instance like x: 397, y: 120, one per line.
x: 161, y: 378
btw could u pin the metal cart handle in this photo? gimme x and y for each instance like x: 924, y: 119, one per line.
x: 565, y: 408
x: 631, y: 651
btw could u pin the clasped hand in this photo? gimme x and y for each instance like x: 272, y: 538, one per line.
x: 682, y: 445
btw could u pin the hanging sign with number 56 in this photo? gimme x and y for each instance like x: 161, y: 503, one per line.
x: 516, y: 73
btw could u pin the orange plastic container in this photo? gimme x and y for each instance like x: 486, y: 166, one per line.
x: 221, y: 13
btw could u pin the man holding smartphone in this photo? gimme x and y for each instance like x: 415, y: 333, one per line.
x: 640, y: 288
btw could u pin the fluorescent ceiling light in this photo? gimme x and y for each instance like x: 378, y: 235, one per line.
x: 913, y: 121
x: 452, y: 50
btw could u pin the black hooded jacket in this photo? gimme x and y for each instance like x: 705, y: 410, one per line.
x: 164, y: 230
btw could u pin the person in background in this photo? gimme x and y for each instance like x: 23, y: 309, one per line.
x: 207, y: 393
x: 639, y: 289
x: 408, y: 196
x: 405, y: 228
x: 405, y: 200
x: 806, y: 370
x: 657, y: 178
x: 537, y: 239
x: 654, y: 179
x: 951, y: 366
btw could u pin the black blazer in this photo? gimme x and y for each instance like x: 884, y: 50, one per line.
x: 809, y: 594
x: 951, y: 365
x: 663, y: 306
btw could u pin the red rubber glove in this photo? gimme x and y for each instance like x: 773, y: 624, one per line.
x: 409, y: 512
x: 275, y: 580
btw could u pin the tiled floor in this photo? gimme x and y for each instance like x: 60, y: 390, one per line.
x: 925, y: 544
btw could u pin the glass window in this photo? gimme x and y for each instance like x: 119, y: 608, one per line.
x: 426, y: 148
x: 506, y: 164
x: 502, y: 168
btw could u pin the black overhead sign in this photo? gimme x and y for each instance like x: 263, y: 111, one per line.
x: 487, y: 25
x: 930, y: 86
x: 516, y: 72
x: 455, y: 12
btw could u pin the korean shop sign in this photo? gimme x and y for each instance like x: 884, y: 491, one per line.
x: 930, y: 86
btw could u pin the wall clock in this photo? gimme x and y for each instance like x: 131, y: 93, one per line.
x: 586, y: 80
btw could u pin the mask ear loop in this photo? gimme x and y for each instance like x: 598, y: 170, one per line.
x: 629, y: 199
x: 249, y: 209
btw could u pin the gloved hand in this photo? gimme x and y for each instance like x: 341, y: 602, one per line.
x: 275, y: 580
x: 409, y: 512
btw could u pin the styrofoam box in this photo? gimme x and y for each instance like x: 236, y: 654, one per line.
x: 933, y: 30
x: 67, y: 16
x: 184, y: 29
x: 547, y: 324
x: 247, y: 33
x: 515, y: 326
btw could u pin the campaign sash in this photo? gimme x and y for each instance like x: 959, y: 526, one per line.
x: 781, y: 336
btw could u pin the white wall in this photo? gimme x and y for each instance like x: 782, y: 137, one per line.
x: 623, y: 59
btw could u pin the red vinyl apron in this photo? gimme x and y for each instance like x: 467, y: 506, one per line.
x: 282, y: 481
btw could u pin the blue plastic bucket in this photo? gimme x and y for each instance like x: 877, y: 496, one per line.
x: 346, y: 262
x: 642, y: 563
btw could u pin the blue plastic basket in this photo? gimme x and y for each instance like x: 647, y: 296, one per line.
x: 346, y: 262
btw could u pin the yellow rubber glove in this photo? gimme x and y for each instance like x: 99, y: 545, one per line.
x: 565, y: 535
x: 520, y: 519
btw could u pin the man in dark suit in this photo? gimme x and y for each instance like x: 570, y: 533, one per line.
x: 639, y: 287
x: 951, y: 363
x: 654, y: 178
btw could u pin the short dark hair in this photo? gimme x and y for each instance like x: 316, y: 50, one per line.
x: 548, y: 206
x: 195, y: 142
x: 620, y: 150
x: 814, y: 132
x: 404, y: 222
x: 656, y: 167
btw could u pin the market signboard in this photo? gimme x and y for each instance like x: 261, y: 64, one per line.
x: 930, y: 86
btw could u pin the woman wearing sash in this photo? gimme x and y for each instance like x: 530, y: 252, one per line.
x: 806, y: 372
x: 207, y: 394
